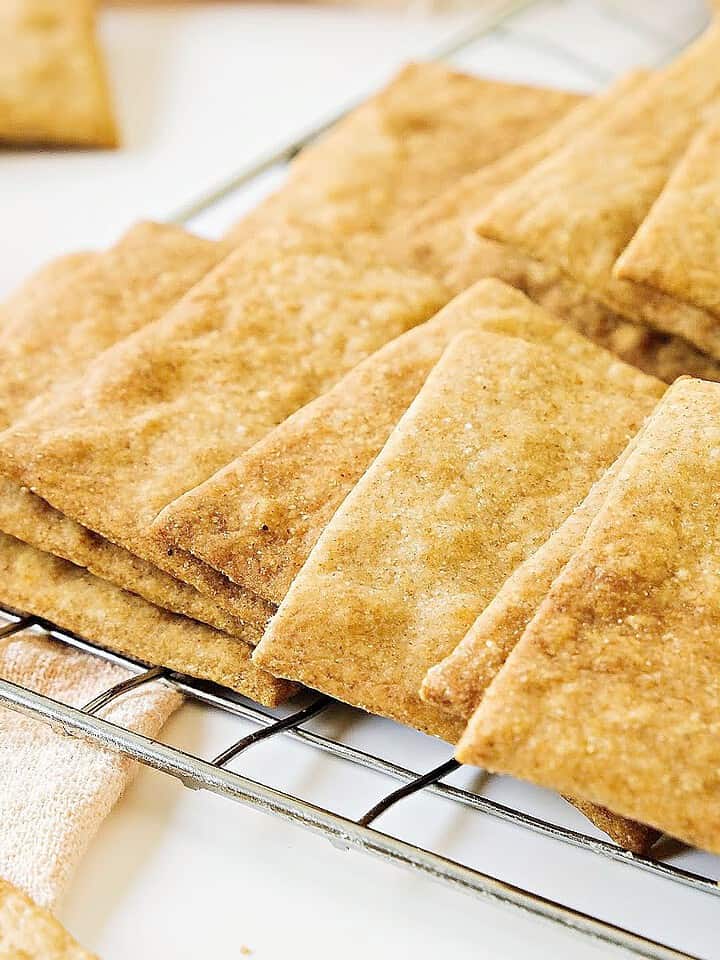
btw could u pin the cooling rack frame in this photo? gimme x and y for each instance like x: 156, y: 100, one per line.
x: 198, y: 773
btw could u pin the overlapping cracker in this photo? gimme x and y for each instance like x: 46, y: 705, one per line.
x: 60, y: 319
x: 612, y: 692
x: 428, y: 127
x: 75, y: 600
x: 580, y: 207
x: 274, y: 325
x: 440, y: 240
x: 677, y: 247
x: 501, y: 443
x: 29, y: 932
x: 53, y: 88
x: 258, y: 518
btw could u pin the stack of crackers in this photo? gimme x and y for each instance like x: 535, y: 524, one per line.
x: 405, y: 436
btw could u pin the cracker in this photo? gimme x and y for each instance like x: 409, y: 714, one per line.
x: 29, y: 932
x: 259, y: 517
x: 428, y: 127
x: 677, y: 249
x: 75, y: 600
x: 273, y: 326
x: 500, y: 444
x: 580, y: 207
x: 54, y: 89
x: 612, y: 692
x: 61, y: 318
x: 439, y: 240
x: 459, y: 682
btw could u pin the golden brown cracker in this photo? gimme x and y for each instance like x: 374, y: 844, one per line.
x: 677, y: 248
x: 60, y: 319
x: 73, y: 599
x: 274, y: 325
x: 439, y: 239
x: 580, y: 207
x: 53, y: 88
x: 259, y: 517
x: 429, y: 126
x: 612, y: 693
x: 502, y: 441
x: 458, y: 683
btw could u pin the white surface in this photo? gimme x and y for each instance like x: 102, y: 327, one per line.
x: 202, y: 91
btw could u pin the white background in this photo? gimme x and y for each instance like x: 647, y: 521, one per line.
x: 202, y: 90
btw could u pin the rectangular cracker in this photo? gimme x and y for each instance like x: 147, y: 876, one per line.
x: 75, y: 600
x: 69, y: 312
x: 52, y: 78
x: 274, y: 325
x: 612, y: 692
x: 259, y: 517
x: 429, y: 126
x: 677, y: 248
x: 439, y: 239
x: 580, y: 207
x: 63, y: 317
x: 501, y: 443
x: 458, y: 683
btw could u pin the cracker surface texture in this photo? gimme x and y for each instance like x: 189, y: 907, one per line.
x: 677, y: 248
x: 53, y: 88
x: 612, y: 693
x: 579, y: 208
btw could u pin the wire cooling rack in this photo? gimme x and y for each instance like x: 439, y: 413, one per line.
x: 575, y: 43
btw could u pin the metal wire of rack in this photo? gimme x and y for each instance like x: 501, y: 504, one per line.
x: 357, y: 832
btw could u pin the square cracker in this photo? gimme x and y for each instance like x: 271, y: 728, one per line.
x: 53, y: 88
x: 429, y: 126
x: 439, y: 239
x: 677, y: 247
x: 580, y: 207
x: 61, y: 319
x: 612, y: 692
x: 501, y: 443
x: 73, y: 599
x: 31, y: 932
x: 274, y: 325
x: 258, y: 518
